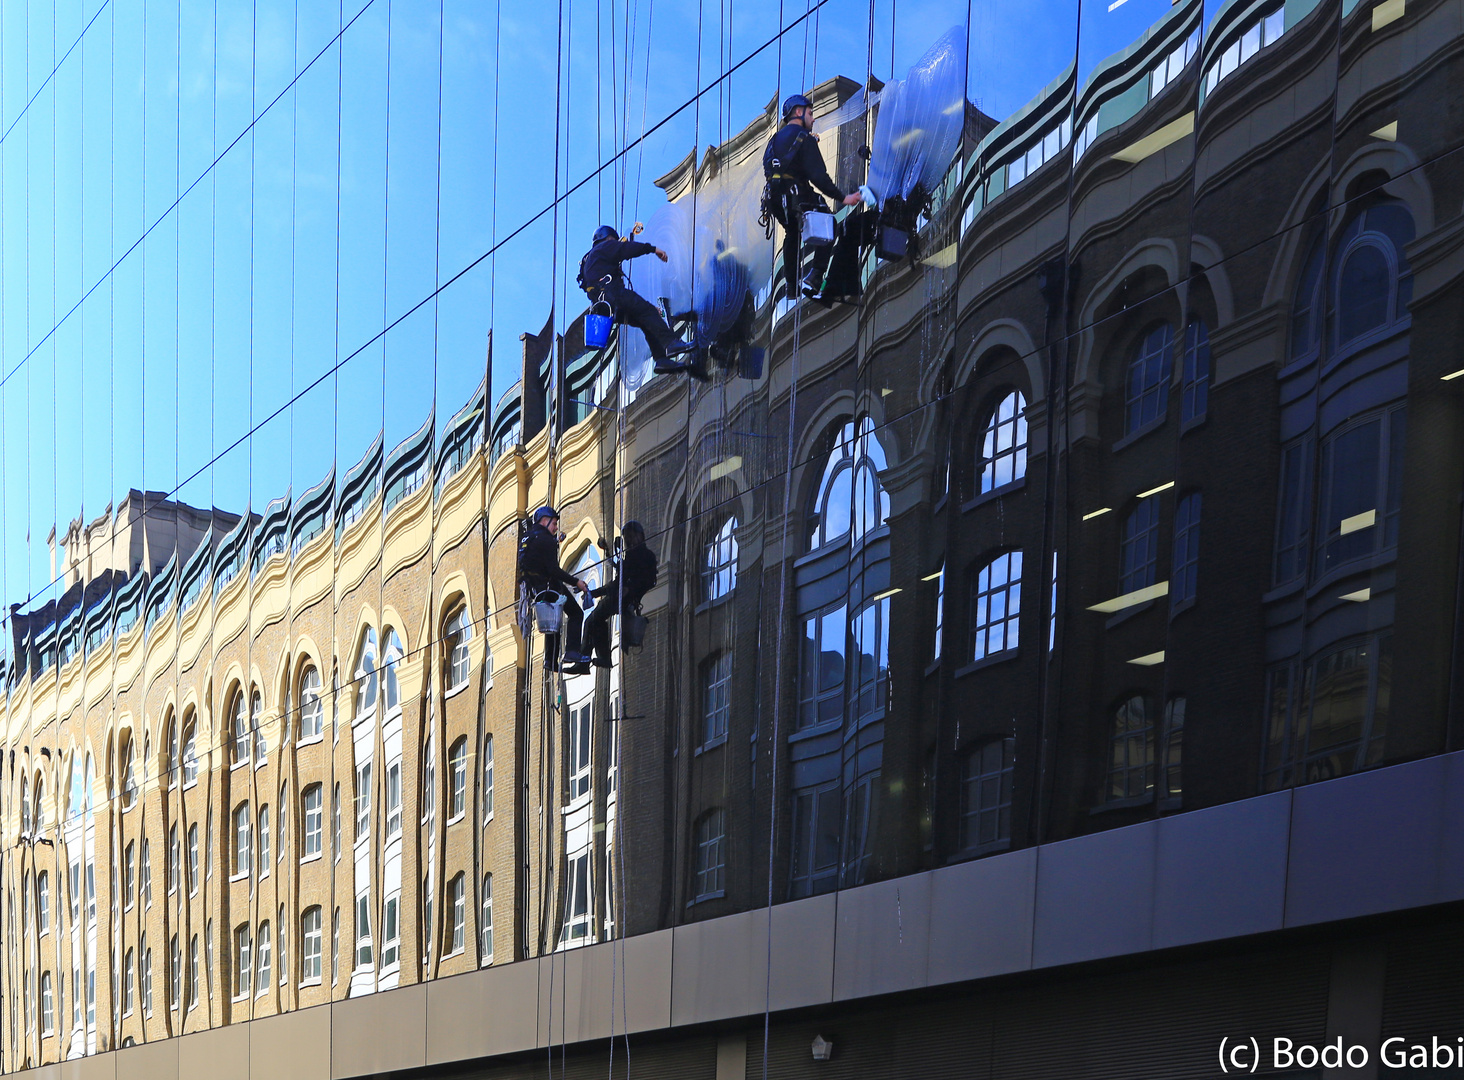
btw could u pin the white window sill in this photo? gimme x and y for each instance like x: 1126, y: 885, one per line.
x: 310, y: 740
x: 237, y: 998
x: 456, y: 818
x: 487, y: 961
x: 454, y: 691
x: 124, y: 1017
x: 307, y: 983
x: 488, y: 818
x: 261, y: 993
x: 242, y: 875
x: 315, y: 857
x: 263, y: 875
x: 239, y: 764
x: 189, y: 785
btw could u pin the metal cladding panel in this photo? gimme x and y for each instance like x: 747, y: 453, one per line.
x: 1367, y: 844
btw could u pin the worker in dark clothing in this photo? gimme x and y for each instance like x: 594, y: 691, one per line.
x: 795, y: 175
x: 538, y: 562
x: 638, y: 567
x: 602, y: 279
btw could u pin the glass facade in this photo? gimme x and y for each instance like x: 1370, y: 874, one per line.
x: 292, y: 342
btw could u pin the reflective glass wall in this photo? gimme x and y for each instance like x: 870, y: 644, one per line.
x: 1112, y: 473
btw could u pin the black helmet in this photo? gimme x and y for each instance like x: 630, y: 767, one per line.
x: 797, y: 101
x: 545, y: 512
x: 605, y: 232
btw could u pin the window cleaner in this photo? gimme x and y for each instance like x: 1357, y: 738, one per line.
x: 638, y: 563
x: 795, y: 173
x: 601, y: 278
x: 538, y: 562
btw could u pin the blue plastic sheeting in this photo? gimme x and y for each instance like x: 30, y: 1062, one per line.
x: 918, y: 128
x: 716, y: 254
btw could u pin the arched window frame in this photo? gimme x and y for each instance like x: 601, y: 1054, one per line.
x: 366, y: 674
x: 170, y: 749
x: 392, y: 655
x: 1307, y: 306
x: 312, y: 705
x: 1361, y: 232
x: 855, y: 460
x: 457, y: 632
x: 1147, y: 376
x: 188, y: 751
x: 256, y: 726
x: 1001, y: 455
x: 719, y: 562
x: 1130, y: 760
x: 240, y: 742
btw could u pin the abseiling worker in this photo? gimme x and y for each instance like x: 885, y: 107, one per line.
x: 638, y: 571
x: 538, y: 563
x: 796, y: 173
x: 601, y: 278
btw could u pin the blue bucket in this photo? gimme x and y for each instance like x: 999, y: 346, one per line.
x: 597, y: 326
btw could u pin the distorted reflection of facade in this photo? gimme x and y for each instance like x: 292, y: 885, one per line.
x: 1005, y: 606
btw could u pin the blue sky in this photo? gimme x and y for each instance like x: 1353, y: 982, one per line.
x: 247, y: 199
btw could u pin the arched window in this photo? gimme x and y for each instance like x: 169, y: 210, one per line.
x: 77, y: 798
x: 1196, y: 398
x: 459, y: 631
x: 719, y: 572
x: 1003, y: 458
x: 129, y: 777
x: 391, y: 688
x: 239, y: 727
x: 1146, y: 384
x: 850, y: 500
x: 170, y: 750
x: 1306, y: 306
x: 312, y: 710
x: 256, y: 725
x: 1374, y: 283
x: 25, y: 808
x: 996, y: 606
x: 1131, y: 750
x: 1139, y: 547
x: 366, y: 674
x: 189, y: 752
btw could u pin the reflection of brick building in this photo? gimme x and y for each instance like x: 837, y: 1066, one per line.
x: 998, y: 618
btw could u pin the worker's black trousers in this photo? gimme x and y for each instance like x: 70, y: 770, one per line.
x: 639, y: 312
x: 597, y: 627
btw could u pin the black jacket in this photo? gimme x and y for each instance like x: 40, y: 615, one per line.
x: 788, y: 155
x: 639, y: 564
x: 603, y: 261
x: 539, y: 560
